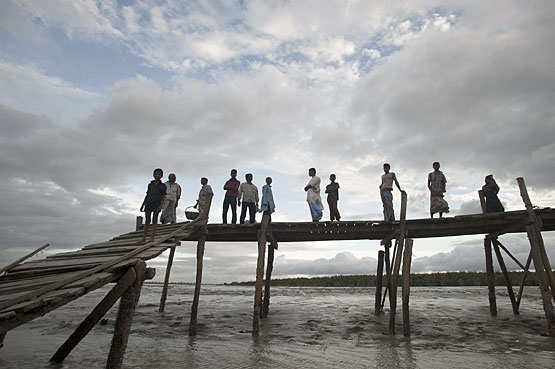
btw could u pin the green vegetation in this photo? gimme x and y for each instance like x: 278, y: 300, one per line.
x: 426, y: 280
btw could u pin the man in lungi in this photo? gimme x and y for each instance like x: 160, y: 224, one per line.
x: 436, y: 185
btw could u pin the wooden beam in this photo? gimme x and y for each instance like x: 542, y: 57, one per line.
x: 139, y: 223
x: 498, y: 243
x: 526, y: 267
x: 20, y: 260
x: 126, y: 310
x: 166, y: 281
x: 379, y: 280
x: 490, y: 277
x: 505, y: 276
x: 407, y: 257
x: 397, y: 263
x: 259, y: 274
x: 94, y: 317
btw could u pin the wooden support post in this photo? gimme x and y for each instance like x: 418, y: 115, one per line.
x: 139, y: 223
x: 198, y: 282
x: 94, y: 317
x: 506, y: 276
x: 542, y: 280
x: 397, y: 263
x: 203, y: 214
x: 537, y: 226
x: 166, y: 280
x: 126, y: 309
x: 490, y: 277
x: 526, y: 267
x: 387, y: 271
x: 407, y: 257
x: 482, y: 201
x: 269, y: 268
x: 259, y: 274
x: 379, y: 280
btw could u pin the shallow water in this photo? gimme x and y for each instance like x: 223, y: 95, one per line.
x: 306, y: 328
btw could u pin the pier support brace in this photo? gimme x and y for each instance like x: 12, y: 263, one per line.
x: 259, y: 274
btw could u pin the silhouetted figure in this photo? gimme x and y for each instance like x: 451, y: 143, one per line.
x: 490, y: 191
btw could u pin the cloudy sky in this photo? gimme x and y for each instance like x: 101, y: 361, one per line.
x: 95, y: 95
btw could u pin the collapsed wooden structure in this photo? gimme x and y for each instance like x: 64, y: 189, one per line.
x: 34, y: 288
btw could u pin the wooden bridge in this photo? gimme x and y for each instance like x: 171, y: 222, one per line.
x: 32, y: 289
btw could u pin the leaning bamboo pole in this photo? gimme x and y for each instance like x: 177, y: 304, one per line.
x: 20, y: 260
x: 407, y: 257
x: 259, y: 274
x: 397, y: 264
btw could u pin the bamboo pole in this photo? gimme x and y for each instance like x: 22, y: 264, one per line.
x: 505, y: 276
x: 537, y: 226
x: 138, y: 223
x: 482, y: 201
x: 126, y: 309
x: 166, y: 281
x: 526, y: 267
x: 498, y: 243
x: 198, y: 282
x: 387, y: 269
x: 269, y: 268
x: 490, y: 277
x: 397, y: 266
x: 203, y: 214
x: 541, y: 277
x: 20, y: 260
x: 379, y: 280
x: 259, y: 274
x: 94, y: 317
x: 407, y: 256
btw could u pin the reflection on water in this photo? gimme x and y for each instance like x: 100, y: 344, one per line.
x: 306, y: 328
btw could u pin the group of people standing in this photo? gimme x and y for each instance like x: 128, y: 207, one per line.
x: 165, y: 197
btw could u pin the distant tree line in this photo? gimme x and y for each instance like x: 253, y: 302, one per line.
x: 424, y: 280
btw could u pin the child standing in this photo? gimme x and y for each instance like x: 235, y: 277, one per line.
x: 267, y: 205
x: 386, y: 192
x: 152, y: 204
x: 333, y: 196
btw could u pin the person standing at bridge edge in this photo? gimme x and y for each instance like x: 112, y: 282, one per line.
x: 313, y: 196
x: 436, y: 185
x: 386, y: 192
x: 248, y: 192
x: 267, y: 205
x: 152, y: 204
x: 490, y: 191
x: 204, y: 198
x: 173, y: 194
x: 230, y: 199
x: 333, y: 196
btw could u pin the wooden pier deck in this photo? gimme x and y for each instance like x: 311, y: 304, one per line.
x: 34, y: 288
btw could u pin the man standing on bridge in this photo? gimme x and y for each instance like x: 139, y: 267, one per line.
x: 436, y: 185
x: 313, y: 196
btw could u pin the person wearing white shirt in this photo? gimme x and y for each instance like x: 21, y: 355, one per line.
x: 313, y: 196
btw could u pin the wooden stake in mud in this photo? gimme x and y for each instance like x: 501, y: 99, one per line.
x: 379, y: 280
x: 198, y: 282
x: 397, y: 264
x: 407, y: 257
x: 490, y: 277
x: 259, y: 274
x: 94, y: 317
x: 139, y: 223
x: 266, y: 303
x: 506, y: 276
x: 166, y: 281
x: 126, y: 309
x: 203, y: 214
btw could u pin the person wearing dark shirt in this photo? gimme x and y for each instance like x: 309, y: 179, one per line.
x: 333, y: 196
x: 152, y: 204
x: 230, y: 199
x: 490, y: 191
